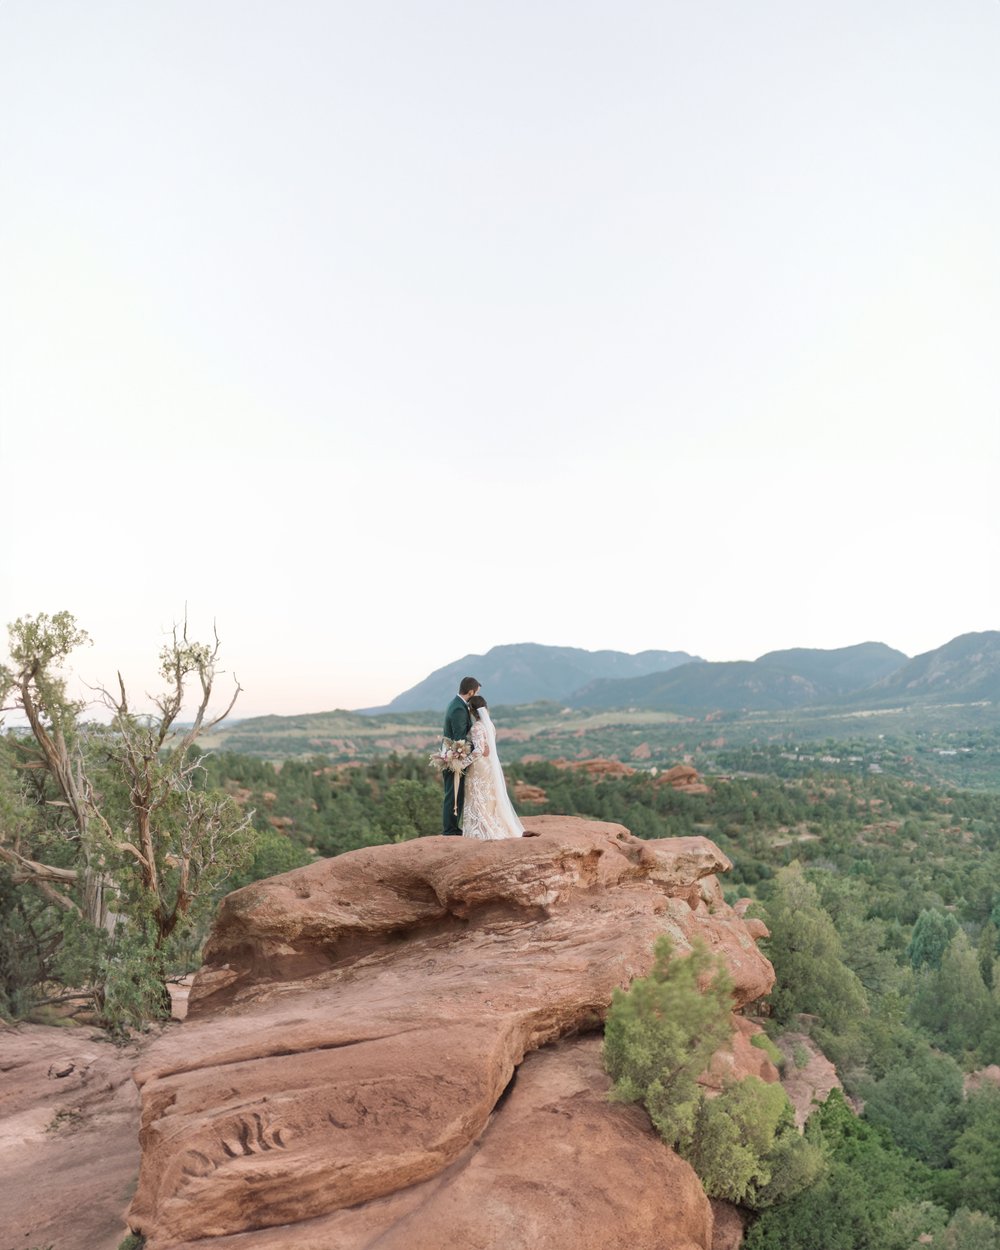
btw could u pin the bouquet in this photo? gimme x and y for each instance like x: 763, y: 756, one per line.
x: 454, y: 757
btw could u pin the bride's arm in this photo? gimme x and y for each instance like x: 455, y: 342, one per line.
x: 479, y: 742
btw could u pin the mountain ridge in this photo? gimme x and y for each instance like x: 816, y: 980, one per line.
x: 867, y: 674
x: 526, y: 672
x: 963, y: 670
x: 776, y: 681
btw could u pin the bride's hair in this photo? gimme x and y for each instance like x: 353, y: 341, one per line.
x: 475, y: 703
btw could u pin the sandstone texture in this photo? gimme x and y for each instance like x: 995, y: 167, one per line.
x: 556, y: 1166
x: 740, y: 1058
x: 729, y: 1226
x: 396, y: 1048
x: 69, y: 1151
x: 808, y: 1084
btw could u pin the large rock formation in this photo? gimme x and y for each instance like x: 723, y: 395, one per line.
x: 345, y: 1075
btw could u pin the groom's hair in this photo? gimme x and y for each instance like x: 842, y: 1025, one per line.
x: 468, y: 684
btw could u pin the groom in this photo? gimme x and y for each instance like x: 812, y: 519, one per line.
x: 457, y: 723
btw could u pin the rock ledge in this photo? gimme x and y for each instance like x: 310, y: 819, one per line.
x: 340, y: 1079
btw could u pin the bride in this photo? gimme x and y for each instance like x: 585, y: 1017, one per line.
x: 489, y: 814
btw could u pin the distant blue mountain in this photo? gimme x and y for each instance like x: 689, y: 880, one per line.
x: 777, y: 681
x: 964, y: 670
x: 528, y: 672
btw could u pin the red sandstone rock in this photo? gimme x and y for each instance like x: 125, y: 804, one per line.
x: 69, y: 1151
x: 525, y: 793
x: 557, y: 1165
x: 357, y: 1021
x: 679, y: 775
x: 727, y: 1233
x: 756, y: 928
x: 682, y: 777
x: 984, y: 1076
x: 599, y: 769
x: 739, y: 1058
x: 811, y: 1083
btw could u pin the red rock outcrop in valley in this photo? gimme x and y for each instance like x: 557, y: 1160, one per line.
x: 341, y: 1078
x: 599, y: 769
x: 683, y: 777
x: 524, y: 792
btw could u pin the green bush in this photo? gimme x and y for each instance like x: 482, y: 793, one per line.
x: 659, y: 1036
x: 764, y: 1043
x: 746, y: 1148
x: 975, y: 1155
x: 661, y: 1033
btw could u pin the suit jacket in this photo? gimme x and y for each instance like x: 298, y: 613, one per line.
x: 457, y: 719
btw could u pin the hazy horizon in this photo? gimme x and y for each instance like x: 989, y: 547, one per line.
x: 386, y: 334
x: 243, y: 712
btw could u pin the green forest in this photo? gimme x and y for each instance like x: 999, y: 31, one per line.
x: 881, y: 891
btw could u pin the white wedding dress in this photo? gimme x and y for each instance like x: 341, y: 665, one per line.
x: 488, y: 814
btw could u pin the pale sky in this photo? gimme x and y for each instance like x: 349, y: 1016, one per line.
x: 386, y: 332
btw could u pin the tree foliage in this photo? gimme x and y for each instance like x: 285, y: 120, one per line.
x: 931, y: 934
x: 976, y: 1153
x: 807, y: 954
x: 661, y: 1033
x: 109, y: 827
x: 745, y: 1147
x: 659, y: 1036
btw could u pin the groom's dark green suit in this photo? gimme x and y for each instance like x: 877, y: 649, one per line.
x: 457, y: 723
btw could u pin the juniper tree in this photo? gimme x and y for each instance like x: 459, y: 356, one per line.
x: 126, y: 840
x: 662, y: 1031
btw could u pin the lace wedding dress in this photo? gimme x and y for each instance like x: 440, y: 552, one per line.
x: 489, y: 813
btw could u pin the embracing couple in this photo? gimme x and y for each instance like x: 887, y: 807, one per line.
x: 482, y: 791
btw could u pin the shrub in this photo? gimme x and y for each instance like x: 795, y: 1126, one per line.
x: 764, y: 1043
x: 661, y: 1033
x: 659, y: 1036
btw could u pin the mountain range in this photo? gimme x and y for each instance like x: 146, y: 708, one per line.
x: 776, y: 681
x: 870, y: 674
x: 528, y: 672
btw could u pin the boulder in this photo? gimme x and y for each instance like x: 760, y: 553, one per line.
x: 740, y: 1058
x: 356, y: 1024
x: 974, y: 1081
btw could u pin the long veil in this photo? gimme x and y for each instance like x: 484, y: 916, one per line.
x: 505, y: 809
